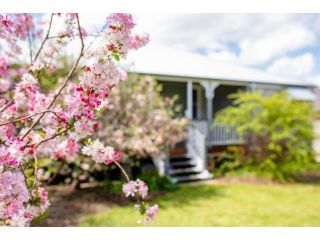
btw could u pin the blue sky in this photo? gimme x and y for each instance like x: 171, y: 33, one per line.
x: 283, y: 44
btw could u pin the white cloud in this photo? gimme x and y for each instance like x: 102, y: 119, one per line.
x: 258, y: 38
x: 275, y: 43
x: 295, y: 67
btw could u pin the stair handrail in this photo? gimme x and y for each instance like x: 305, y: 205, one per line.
x: 197, y: 142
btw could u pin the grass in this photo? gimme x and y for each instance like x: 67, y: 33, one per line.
x: 226, y: 205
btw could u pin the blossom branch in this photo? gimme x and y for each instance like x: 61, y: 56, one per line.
x: 52, y: 137
x: 29, y: 37
x: 122, y: 170
x: 29, y: 116
x: 66, y: 81
x: 74, y: 35
x: 6, y: 106
x: 44, y: 40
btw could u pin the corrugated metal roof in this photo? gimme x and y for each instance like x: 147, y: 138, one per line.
x: 167, y: 61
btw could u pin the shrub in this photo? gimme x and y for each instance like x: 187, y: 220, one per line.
x: 277, y: 130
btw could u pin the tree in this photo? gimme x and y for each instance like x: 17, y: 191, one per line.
x: 277, y: 131
x: 37, y: 124
x: 139, y: 121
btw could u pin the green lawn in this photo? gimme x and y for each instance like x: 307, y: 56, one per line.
x: 226, y: 205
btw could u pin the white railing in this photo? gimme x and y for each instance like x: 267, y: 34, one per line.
x: 222, y: 134
x: 197, y: 142
x: 218, y: 133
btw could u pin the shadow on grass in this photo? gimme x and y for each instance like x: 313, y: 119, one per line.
x: 188, y: 194
x: 68, y: 205
x: 312, y: 177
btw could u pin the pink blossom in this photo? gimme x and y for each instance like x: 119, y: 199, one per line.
x: 4, y: 85
x: 100, y: 153
x: 4, y: 67
x: 138, y: 41
x: 13, y: 195
x: 151, y: 212
x: 132, y: 187
x: 67, y: 149
x: 36, y: 66
x: 7, y: 26
x: 142, y: 188
x: 125, y: 20
x: 40, y: 197
x: 129, y: 188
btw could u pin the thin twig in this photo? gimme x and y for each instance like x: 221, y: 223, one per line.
x: 73, y: 35
x: 66, y: 81
x: 92, y: 42
x: 29, y: 37
x: 52, y: 137
x: 35, y: 170
x: 44, y: 40
x: 6, y: 106
x: 29, y: 116
x: 122, y: 170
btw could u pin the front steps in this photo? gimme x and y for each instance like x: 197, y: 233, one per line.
x: 184, y: 169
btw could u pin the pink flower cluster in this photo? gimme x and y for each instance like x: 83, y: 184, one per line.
x: 67, y: 150
x: 119, y: 32
x: 99, y: 77
x: 18, y: 26
x: 14, y: 195
x: 139, y: 189
x: 39, y: 197
x: 63, y: 38
x: 101, y: 153
x: 135, y: 188
x: 4, y: 67
x: 15, y: 153
x: 17, y: 206
x: 7, y: 26
x: 151, y: 213
x: 138, y: 41
x: 25, y: 24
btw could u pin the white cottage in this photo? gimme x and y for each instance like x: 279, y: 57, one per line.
x: 203, y: 85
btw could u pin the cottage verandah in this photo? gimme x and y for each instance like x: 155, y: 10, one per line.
x: 201, y: 99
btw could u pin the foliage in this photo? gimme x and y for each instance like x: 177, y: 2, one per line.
x: 277, y: 130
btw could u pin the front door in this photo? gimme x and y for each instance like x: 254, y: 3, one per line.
x: 196, y: 102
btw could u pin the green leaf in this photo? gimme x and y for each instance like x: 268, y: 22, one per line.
x: 116, y: 57
x: 72, y: 121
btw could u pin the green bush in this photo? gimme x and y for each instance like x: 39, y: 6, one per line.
x: 277, y: 130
